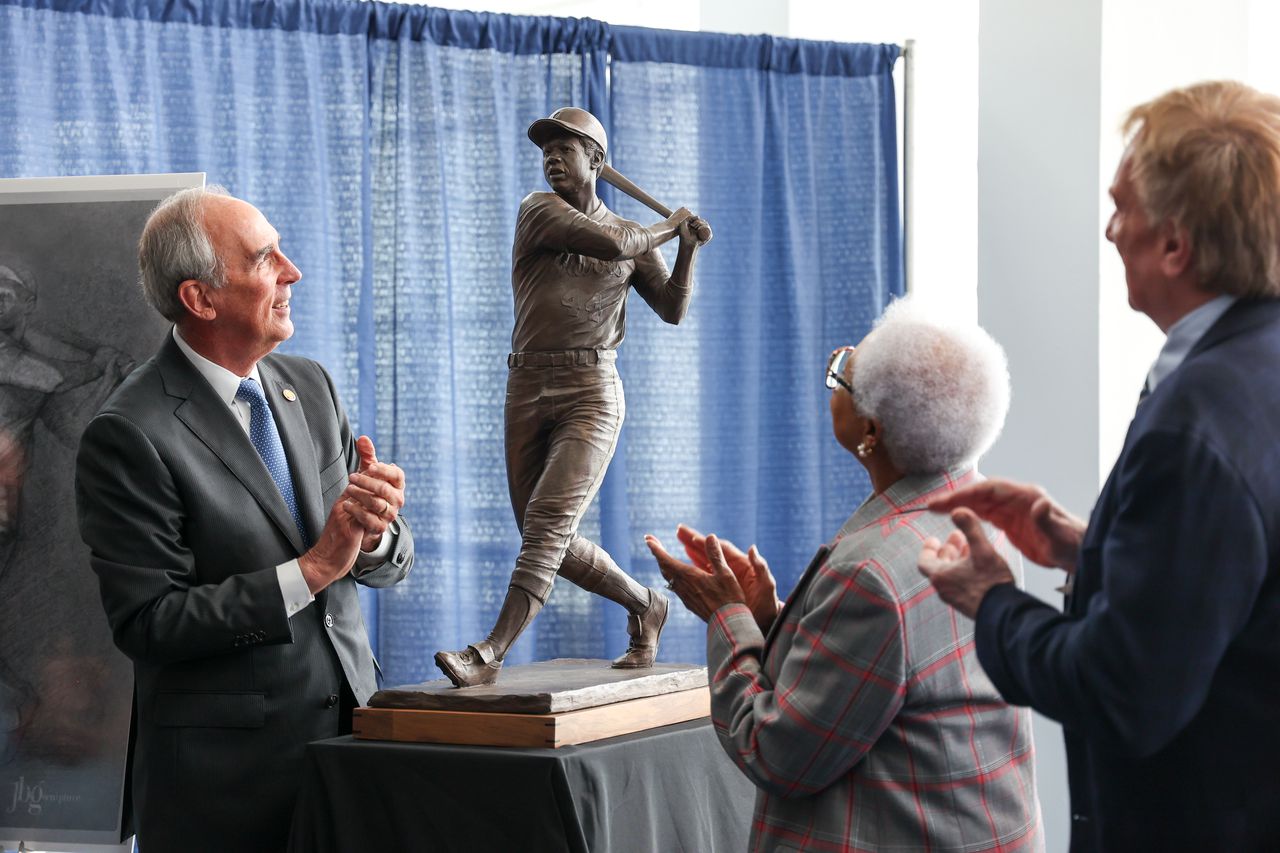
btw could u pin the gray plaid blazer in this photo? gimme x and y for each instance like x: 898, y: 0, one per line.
x: 864, y: 718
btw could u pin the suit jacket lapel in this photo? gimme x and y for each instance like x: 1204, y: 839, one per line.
x: 870, y: 509
x: 291, y: 421
x: 208, y: 418
x: 904, y: 495
x: 796, y: 595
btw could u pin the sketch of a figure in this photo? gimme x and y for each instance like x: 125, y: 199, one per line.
x: 42, y: 377
x: 72, y: 323
x: 58, y: 380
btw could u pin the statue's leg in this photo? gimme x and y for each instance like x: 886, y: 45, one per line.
x: 527, y: 435
x: 590, y: 567
x: 529, y: 418
x: 589, y: 408
x: 553, y: 476
x: 582, y: 444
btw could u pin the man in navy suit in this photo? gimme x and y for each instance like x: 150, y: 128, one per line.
x: 1164, y: 668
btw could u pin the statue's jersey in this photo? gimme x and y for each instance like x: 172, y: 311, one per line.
x: 570, y: 273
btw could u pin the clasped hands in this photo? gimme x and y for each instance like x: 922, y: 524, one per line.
x: 358, y: 519
x: 719, y: 573
x: 966, y: 566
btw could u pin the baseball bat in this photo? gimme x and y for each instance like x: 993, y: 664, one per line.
x: 611, y: 175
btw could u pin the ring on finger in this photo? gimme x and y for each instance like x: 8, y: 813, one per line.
x: 386, y: 505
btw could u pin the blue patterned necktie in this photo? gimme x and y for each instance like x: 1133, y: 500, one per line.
x: 266, y: 440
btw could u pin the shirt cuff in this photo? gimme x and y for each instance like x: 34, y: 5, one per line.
x: 293, y: 587
x: 378, y: 556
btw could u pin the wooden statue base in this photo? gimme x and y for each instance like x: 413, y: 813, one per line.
x: 550, y: 703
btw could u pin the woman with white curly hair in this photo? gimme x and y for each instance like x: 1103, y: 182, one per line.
x: 858, y: 707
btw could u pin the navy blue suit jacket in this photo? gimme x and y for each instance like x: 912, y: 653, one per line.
x: 1164, y: 669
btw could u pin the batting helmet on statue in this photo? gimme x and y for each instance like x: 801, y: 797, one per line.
x: 571, y: 119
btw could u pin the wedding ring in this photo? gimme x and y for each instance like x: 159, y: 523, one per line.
x: 386, y: 505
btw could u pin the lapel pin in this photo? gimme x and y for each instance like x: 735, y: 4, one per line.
x: 289, y: 395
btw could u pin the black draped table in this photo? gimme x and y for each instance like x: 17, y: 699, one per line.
x: 667, y: 789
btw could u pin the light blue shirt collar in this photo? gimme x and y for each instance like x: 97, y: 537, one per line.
x: 1183, y: 335
x: 223, y: 381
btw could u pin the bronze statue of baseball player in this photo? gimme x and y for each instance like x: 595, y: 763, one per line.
x: 573, y: 263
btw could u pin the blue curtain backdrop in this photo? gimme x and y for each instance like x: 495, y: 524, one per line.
x: 788, y: 149
x: 387, y: 145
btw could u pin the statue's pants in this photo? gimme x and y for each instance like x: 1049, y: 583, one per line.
x: 563, y: 414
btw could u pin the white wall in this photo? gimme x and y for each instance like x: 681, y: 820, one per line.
x: 1038, y: 225
x: 943, y: 245
x: 1142, y: 56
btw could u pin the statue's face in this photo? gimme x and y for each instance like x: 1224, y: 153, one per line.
x: 566, y: 164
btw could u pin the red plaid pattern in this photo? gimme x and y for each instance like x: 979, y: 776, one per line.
x: 864, y: 718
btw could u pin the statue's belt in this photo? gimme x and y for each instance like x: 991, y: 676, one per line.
x: 561, y: 358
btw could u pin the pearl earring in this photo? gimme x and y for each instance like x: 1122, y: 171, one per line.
x: 863, y: 450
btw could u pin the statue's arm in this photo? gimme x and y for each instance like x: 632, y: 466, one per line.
x: 548, y: 222
x: 669, y: 294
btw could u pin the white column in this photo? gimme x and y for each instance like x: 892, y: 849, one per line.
x: 1038, y: 227
x: 1194, y: 41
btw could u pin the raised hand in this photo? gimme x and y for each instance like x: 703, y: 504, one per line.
x: 377, y: 492
x: 679, y: 216
x: 703, y: 591
x: 963, y: 568
x: 759, y: 589
x: 695, y: 230
x: 1036, y: 525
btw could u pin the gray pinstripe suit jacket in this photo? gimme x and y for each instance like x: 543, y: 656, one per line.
x: 186, y: 527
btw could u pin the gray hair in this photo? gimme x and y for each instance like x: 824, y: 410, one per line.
x: 175, y: 247
x: 940, y: 390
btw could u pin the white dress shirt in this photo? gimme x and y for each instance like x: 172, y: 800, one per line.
x: 1183, y: 335
x: 225, y: 384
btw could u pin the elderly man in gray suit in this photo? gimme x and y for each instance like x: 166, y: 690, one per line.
x: 230, y: 513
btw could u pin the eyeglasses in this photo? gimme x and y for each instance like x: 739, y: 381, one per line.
x: 836, y: 366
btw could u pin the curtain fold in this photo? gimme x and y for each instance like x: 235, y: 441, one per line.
x: 387, y: 144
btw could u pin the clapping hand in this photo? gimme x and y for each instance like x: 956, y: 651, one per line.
x: 703, y: 591
x: 375, y: 494
x: 1034, y: 523
x: 759, y: 589
x: 963, y: 568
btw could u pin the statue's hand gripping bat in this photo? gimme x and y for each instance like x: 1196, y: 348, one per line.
x: 614, y: 177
